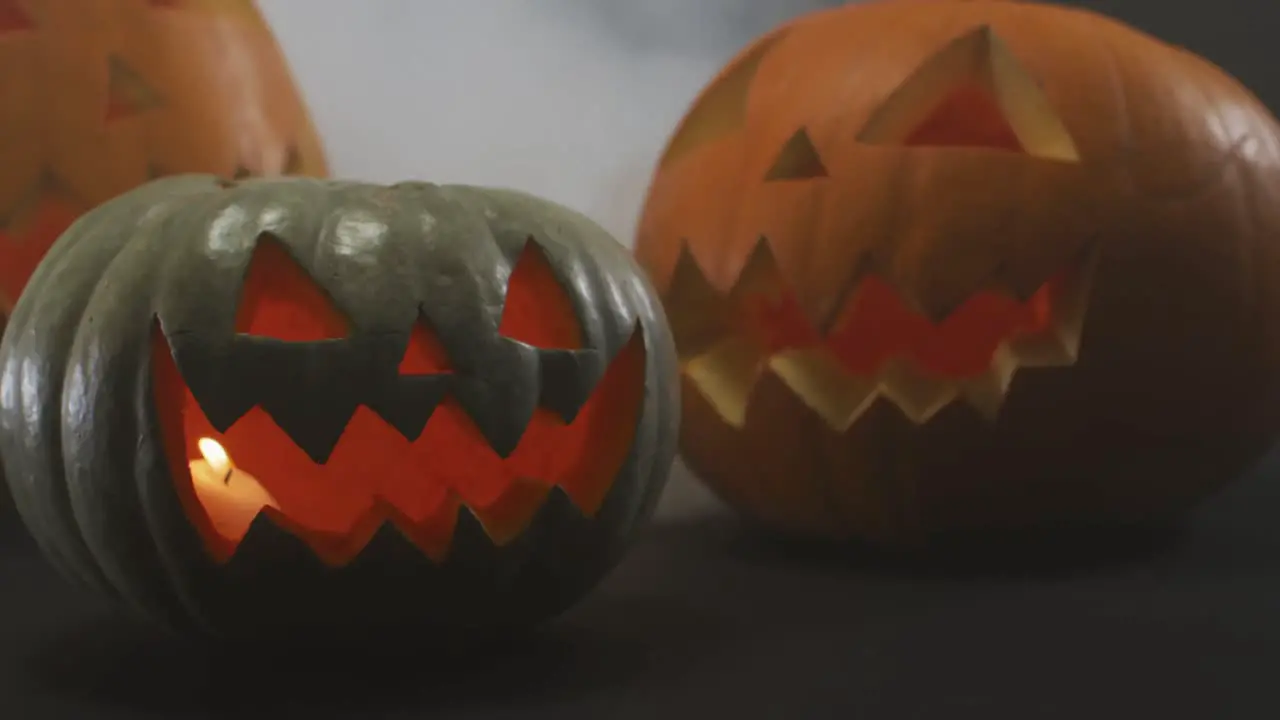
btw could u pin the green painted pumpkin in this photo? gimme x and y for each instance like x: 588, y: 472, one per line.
x: 300, y: 405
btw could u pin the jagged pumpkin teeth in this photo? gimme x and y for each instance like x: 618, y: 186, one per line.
x: 318, y: 381
x: 923, y: 261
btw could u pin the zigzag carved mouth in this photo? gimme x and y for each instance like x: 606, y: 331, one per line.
x: 971, y: 93
x: 877, y: 346
x: 375, y: 473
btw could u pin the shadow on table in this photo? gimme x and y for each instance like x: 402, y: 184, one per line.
x: 1039, y: 554
x: 1032, y: 554
x: 12, y: 533
x: 109, y: 662
x: 691, y: 595
x: 1234, y: 526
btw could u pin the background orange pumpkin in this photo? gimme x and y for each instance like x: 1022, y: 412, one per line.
x: 942, y: 266
x: 99, y: 96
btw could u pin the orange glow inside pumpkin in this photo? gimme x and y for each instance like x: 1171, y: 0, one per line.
x: 374, y: 473
x: 972, y: 93
x: 28, y: 237
x: 876, y: 325
x: 969, y: 116
x: 13, y: 18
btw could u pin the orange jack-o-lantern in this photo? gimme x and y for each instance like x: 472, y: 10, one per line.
x: 940, y: 266
x: 99, y: 96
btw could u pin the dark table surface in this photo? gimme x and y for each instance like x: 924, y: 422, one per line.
x: 705, y: 619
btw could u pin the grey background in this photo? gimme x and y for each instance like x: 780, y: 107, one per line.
x: 573, y: 99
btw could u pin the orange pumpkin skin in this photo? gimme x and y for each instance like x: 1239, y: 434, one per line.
x: 99, y: 96
x: 1130, y: 212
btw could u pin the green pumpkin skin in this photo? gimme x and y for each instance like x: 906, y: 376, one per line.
x: 7, y: 513
x: 79, y: 431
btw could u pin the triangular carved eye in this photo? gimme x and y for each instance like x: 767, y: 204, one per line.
x: 280, y: 300
x: 798, y: 160
x: 537, y: 310
x: 972, y: 93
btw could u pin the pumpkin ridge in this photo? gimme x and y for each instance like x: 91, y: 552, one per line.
x: 109, y: 572
x: 127, y: 565
x: 50, y: 504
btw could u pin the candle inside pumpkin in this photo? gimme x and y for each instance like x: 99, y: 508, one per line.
x: 231, y: 496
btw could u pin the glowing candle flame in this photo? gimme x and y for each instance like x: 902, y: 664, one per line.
x: 231, y: 496
x: 214, y: 454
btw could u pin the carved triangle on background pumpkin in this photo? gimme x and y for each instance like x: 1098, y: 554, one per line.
x: 13, y: 18
x: 706, y: 314
x: 292, y: 161
x: 972, y: 93
x: 127, y: 93
x: 760, y: 277
x: 798, y: 160
x: 241, y: 172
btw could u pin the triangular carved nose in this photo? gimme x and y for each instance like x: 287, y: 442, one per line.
x: 972, y: 93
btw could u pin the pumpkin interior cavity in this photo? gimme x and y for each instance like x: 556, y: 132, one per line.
x: 972, y: 93
x: 375, y: 474
x: 877, y: 345
x: 280, y: 301
x: 969, y: 117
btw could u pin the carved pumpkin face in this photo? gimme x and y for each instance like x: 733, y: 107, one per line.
x: 99, y: 96
x: 325, y: 378
x: 941, y: 264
